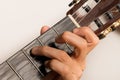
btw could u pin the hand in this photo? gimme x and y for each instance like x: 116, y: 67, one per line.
x: 69, y: 67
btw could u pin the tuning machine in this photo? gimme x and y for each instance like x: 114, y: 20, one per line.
x: 109, y: 29
x: 74, y: 2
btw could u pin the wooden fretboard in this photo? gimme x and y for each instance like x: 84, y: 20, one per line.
x: 22, y: 66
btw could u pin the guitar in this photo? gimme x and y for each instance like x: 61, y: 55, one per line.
x: 22, y: 66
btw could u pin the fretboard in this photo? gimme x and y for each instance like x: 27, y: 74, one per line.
x: 21, y: 66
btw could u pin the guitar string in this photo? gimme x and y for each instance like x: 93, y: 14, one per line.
x: 78, y: 16
x: 18, y: 73
x: 83, y: 16
x: 75, y: 17
x: 100, y: 15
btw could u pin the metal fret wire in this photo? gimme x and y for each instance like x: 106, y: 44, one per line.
x: 67, y: 25
x: 14, y: 71
x: 29, y: 58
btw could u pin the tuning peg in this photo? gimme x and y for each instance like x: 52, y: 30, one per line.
x: 118, y: 7
x: 97, y: 1
x: 73, y: 2
x: 109, y: 29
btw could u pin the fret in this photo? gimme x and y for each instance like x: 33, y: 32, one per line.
x: 48, y: 39
x: 6, y: 73
x: 64, y: 25
x: 14, y: 70
x: 27, y: 51
x: 20, y: 62
x: 23, y: 66
x: 34, y: 60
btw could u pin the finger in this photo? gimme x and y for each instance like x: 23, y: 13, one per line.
x: 44, y: 29
x: 51, y: 53
x: 88, y: 34
x: 73, y: 40
x: 59, y: 67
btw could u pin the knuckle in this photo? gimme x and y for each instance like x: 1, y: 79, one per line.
x: 86, y: 29
x: 63, y: 56
x: 65, y: 34
x: 44, y: 48
x: 66, y: 70
x: 83, y: 45
x: 96, y: 41
x: 52, y: 63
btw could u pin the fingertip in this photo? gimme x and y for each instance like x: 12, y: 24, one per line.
x: 31, y: 54
x: 44, y: 29
x: 34, y: 51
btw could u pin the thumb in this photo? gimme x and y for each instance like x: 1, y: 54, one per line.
x: 44, y: 29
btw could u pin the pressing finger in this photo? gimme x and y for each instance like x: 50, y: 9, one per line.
x: 73, y: 40
x: 57, y: 66
x: 51, y: 53
x: 88, y: 34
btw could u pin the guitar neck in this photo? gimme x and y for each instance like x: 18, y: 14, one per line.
x: 21, y: 66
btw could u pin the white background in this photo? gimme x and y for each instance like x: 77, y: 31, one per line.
x: 21, y: 20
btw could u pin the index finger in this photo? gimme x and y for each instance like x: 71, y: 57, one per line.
x: 51, y: 53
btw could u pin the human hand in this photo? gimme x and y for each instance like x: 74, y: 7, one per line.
x: 69, y: 67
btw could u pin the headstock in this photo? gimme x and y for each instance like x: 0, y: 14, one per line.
x: 109, y: 9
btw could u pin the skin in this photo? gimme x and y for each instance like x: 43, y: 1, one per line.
x: 63, y: 66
